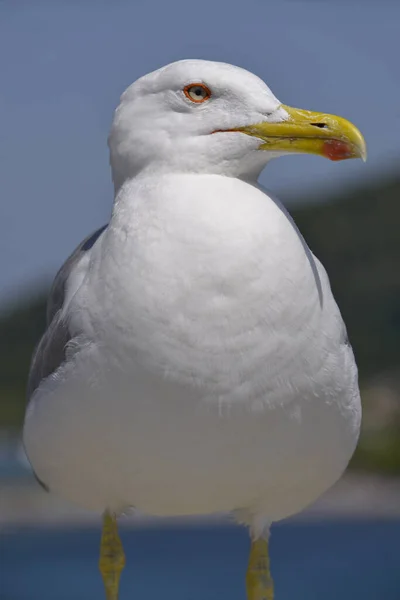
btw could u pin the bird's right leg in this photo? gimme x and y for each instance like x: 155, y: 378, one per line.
x: 259, y: 584
x: 112, y: 557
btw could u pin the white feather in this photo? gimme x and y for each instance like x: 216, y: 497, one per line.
x: 210, y: 371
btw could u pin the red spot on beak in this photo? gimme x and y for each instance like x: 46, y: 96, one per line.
x: 337, y: 150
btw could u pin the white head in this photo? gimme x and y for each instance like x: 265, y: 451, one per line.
x: 207, y: 117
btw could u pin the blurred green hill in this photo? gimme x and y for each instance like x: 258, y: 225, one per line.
x: 356, y: 236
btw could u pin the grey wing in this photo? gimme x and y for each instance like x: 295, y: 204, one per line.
x: 50, y: 352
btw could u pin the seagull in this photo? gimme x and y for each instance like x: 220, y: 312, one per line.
x: 195, y: 361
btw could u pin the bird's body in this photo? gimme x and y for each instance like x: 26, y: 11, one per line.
x: 195, y: 359
x: 186, y: 322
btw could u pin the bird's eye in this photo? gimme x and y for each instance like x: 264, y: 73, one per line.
x: 197, y: 92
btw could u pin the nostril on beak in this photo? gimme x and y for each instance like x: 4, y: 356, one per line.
x: 320, y: 125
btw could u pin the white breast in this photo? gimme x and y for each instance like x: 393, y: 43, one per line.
x: 221, y: 376
x: 202, y: 279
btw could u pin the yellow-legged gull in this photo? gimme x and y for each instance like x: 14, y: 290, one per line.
x: 195, y: 360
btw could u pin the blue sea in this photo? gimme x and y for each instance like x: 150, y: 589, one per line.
x: 333, y: 560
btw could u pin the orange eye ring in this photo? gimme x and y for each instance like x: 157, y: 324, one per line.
x: 197, y: 92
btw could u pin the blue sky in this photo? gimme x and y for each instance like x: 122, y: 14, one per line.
x: 64, y: 64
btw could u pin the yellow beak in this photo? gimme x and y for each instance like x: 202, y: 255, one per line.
x: 311, y: 133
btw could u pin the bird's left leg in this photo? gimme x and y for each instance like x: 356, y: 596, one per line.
x: 112, y: 557
x: 259, y: 584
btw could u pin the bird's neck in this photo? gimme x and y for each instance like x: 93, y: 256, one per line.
x: 202, y: 209
x: 176, y: 195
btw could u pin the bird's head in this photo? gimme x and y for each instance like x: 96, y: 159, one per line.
x: 205, y: 117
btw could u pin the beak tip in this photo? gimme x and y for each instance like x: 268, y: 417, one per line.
x: 362, y: 151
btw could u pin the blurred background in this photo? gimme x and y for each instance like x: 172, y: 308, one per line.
x: 63, y: 65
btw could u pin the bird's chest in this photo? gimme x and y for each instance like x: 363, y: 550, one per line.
x: 205, y: 300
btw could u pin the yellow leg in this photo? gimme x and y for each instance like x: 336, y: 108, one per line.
x: 259, y: 584
x: 112, y: 557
